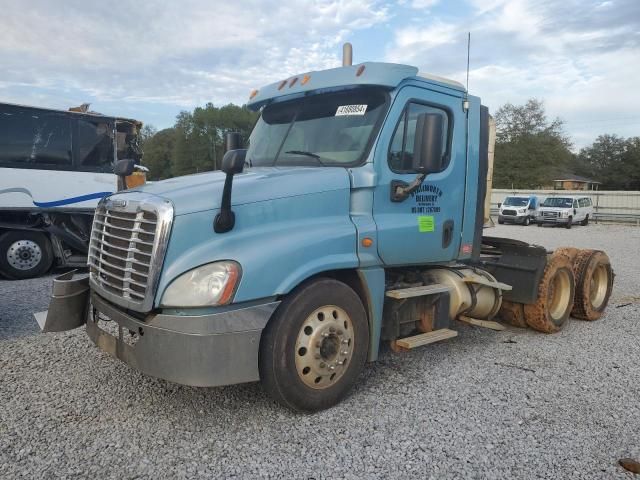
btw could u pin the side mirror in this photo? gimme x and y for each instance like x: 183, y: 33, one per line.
x: 124, y: 167
x: 499, y: 204
x: 233, y: 161
x: 233, y: 141
x: 427, y: 156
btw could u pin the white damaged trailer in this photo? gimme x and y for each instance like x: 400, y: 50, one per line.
x: 55, y: 166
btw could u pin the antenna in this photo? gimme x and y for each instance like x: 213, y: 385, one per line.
x: 468, y: 55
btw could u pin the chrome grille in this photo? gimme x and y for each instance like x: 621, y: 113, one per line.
x: 550, y: 214
x: 128, y: 242
x: 509, y: 212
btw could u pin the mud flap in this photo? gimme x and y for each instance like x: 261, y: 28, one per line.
x: 69, y: 303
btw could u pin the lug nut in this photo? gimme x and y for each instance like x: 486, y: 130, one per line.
x: 345, y: 352
x: 332, y: 367
x: 332, y: 330
x: 325, y: 334
x: 322, y: 364
x: 346, y: 342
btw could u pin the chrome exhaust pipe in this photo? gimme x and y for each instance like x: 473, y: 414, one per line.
x: 347, y: 55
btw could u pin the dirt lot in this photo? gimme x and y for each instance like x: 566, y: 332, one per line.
x: 512, y: 404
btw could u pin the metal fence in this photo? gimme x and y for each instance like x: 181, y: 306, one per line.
x: 608, y: 205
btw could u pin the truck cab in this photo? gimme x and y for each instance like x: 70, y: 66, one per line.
x: 518, y: 209
x: 354, y: 217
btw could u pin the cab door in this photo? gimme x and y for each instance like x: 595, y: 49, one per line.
x: 426, y: 227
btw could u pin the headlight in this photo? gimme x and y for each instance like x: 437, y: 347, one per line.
x: 208, y: 285
x: 521, y: 210
x: 565, y: 214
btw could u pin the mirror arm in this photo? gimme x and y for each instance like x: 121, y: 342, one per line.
x: 400, y: 190
x: 226, y: 219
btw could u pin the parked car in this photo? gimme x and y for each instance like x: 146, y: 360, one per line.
x: 518, y: 209
x: 565, y: 211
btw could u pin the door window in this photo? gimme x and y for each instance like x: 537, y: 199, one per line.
x: 402, y: 144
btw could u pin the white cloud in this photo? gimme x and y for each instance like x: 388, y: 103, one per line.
x: 582, y: 64
x: 176, y: 53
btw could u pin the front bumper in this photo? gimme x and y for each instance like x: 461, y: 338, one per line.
x: 512, y: 218
x: 202, y: 351
x: 553, y: 220
x: 199, y: 350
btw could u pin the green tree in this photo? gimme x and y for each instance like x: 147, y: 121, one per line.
x: 614, y: 161
x: 158, y: 151
x: 530, y: 150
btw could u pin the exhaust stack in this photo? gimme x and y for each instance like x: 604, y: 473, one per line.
x: 347, y: 55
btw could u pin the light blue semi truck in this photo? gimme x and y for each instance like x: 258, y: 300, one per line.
x: 354, y: 218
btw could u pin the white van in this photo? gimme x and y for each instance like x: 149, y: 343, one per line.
x: 518, y: 209
x: 565, y: 211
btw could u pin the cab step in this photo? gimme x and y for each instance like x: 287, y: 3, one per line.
x: 482, y: 323
x: 421, y: 291
x: 425, y: 338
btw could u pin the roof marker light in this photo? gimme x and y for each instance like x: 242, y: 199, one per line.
x: 293, y: 82
x: 282, y: 84
x: 305, y: 79
x: 360, y: 70
x: 253, y: 94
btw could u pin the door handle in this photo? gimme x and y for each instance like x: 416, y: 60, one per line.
x: 447, y: 233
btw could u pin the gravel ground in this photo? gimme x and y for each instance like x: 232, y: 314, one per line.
x: 512, y: 404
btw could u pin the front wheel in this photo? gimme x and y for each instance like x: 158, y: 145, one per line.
x: 25, y: 254
x: 569, y: 223
x: 526, y: 221
x: 315, y: 346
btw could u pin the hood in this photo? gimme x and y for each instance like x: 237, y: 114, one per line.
x: 196, y: 193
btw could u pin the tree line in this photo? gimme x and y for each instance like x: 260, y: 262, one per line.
x: 531, y: 149
x: 196, y: 143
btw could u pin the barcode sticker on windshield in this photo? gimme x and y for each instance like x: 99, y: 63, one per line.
x: 351, y: 110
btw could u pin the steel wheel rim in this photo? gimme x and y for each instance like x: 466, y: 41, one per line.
x: 560, y: 295
x: 24, y: 255
x: 324, y: 347
x: 598, y: 285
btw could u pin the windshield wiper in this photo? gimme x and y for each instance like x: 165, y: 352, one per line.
x: 306, y: 154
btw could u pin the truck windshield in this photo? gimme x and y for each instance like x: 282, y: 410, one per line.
x: 516, y: 201
x: 558, y: 202
x: 330, y: 129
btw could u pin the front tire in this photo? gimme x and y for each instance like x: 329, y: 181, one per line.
x: 25, y: 254
x: 569, y: 223
x: 315, y: 346
x: 526, y: 221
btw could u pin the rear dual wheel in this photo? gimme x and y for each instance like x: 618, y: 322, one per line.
x: 315, y: 346
x: 594, y: 283
x: 556, y: 292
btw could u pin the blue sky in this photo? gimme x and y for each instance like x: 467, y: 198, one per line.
x: 149, y: 60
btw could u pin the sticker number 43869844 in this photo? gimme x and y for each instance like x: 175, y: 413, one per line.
x: 351, y: 110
